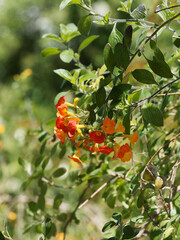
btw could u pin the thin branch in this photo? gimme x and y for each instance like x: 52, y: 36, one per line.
x: 171, y: 140
x: 145, y: 136
x: 103, y: 186
x: 166, y: 8
x: 73, y: 213
x: 153, y: 34
x: 136, y: 104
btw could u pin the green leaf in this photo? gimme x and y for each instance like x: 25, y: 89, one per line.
x: 49, y: 51
x: 176, y: 200
x: 152, y: 114
x: 33, y: 206
x: 115, y: 37
x: 134, y: 97
x: 108, y: 225
x: 139, y: 12
x: 59, y: 95
x: 42, y: 135
x: 117, y: 216
x: 157, y: 51
x: 48, y: 225
x: 160, y: 67
x: 168, y: 232
x: 57, y: 200
x: 121, y: 55
x: 129, y: 232
x: 127, y: 38
x: 84, y: 25
x: 53, y: 37
x: 177, y: 42
x: 67, y: 55
x: 59, y: 172
x: 126, y: 121
x: 66, y: 3
x: 100, y: 96
x: 69, y: 31
x: 143, y: 76
x: 108, y: 57
x: 65, y: 74
x: 110, y: 200
x: 41, y: 202
x: 2, y: 236
x: 86, y: 42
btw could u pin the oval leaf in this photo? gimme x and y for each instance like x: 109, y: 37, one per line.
x: 160, y: 67
x: 128, y: 36
x: 100, y: 96
x: 143, y: 76
x: 121, y: 55
x: 67, y: 55
x: 115, y: 37
x: 49, y: 51
x: 86, y: 42
x: 59, y: 172
x: 139, y: 12
x: 66, y: 3
x: 52, y: 36
x: 64, y: 74
x: 152, y: 114
x: 109, y: 57
x: 108, y: 225
x: 84, y: 25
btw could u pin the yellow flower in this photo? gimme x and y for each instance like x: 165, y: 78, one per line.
x: 60, y: 236
x: 2, y: 128
x: 12, y: 216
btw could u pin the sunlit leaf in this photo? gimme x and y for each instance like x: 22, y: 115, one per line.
x: 67, y: 55
x: 86, y: 42
x: 108, y: 57
x: 66, y: 3
x: 139, y: 12
x: 84, y: 25
x: 49, y: 51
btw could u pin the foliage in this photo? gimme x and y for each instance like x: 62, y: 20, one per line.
x: 116, y: 130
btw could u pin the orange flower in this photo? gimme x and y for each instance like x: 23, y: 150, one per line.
x: 60, y: 124
x: 133, y: 138
x: 120, y: 128
x: 127, y: 156
x: 108, y: 126
x: 60, y: 134
x: 105, y: 150
x: 75, y: 157
x: 62, y: 110
x: 123, y: 149
x: 61, y: 101
x: 71, y: 128
x: 97, y: 136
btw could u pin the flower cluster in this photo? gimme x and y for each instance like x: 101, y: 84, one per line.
x: 67, y: 124
x: 97, y: 141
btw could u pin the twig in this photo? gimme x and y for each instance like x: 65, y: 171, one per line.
x: 73, y: 213
x: 145, y: 136
x: 171, y: 140
x: 101, y: 187
x: 166, y: 8
x: 153, y: 34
